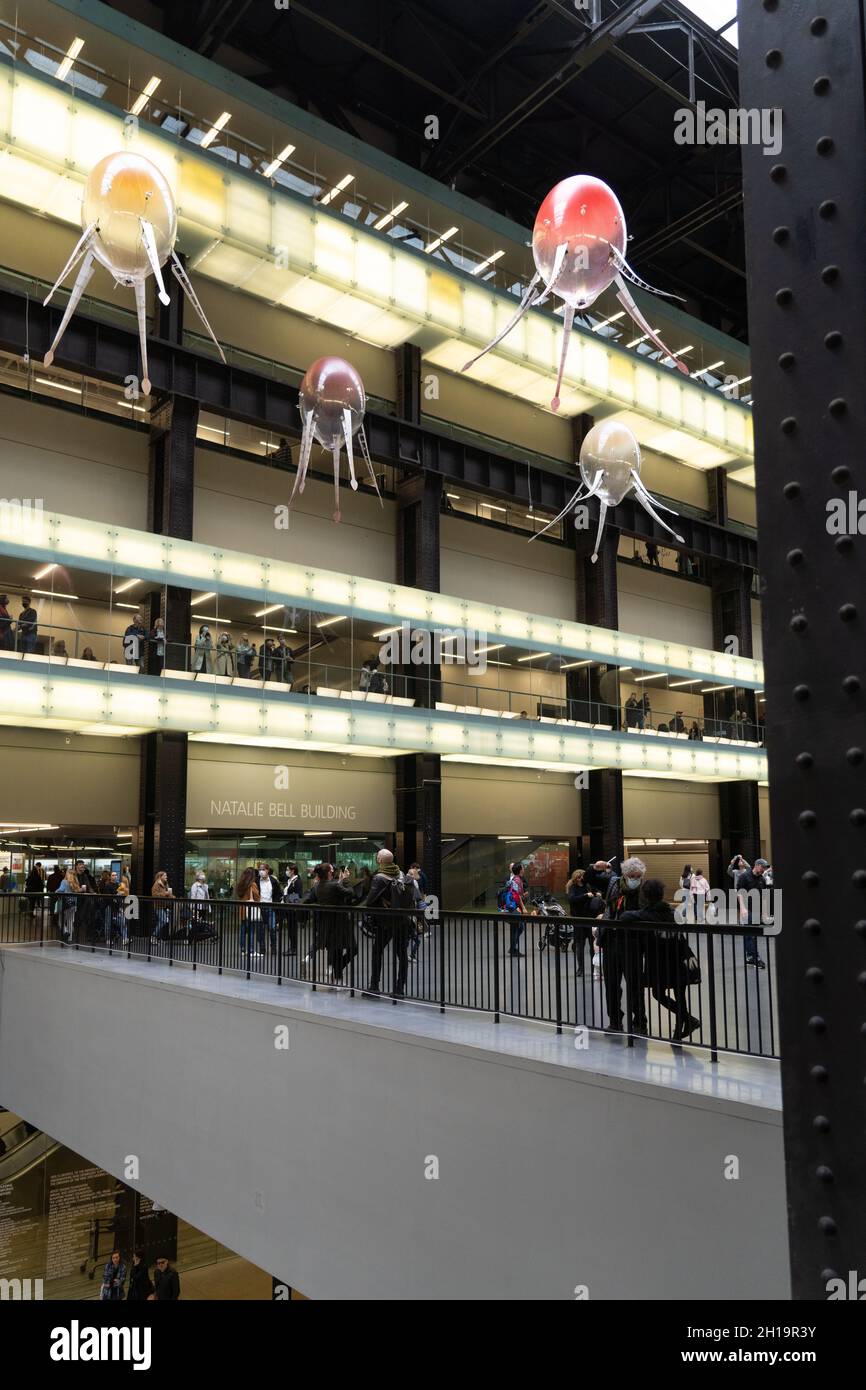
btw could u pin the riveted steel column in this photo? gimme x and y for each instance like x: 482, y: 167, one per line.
x: 805, y: 215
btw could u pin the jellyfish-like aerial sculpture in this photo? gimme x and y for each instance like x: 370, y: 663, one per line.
x: 129, y: 223
x: 332, y: 404
x: 578, y: 245
x: 609, y: 469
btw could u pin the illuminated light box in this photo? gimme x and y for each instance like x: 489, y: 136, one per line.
x: 52, y: 136
x: 125, y: 552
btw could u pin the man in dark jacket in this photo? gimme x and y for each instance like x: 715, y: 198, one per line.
x: 336, y: 929
x: 666, y: 955
x: 270, y: 893
x: 54, y: 880
x: 166, y: 1283
x: 623, y: 950
x: 750, y: 904
x: 27, y: 626
x: 86, y: 915
x: 390, y: 889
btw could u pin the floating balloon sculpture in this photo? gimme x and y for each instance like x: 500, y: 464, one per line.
x: 609, y: 469
x: 130, y: 226
x: 332, y: 404
x: 578, y: 245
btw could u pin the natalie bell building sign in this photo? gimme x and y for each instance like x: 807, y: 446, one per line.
x: 259, y: 811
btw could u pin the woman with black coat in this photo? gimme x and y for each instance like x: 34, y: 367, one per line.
x: 667, y: 954
x: 582, y: 903
x: 140, y: 1284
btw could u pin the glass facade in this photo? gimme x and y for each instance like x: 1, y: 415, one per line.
x: 474, y: 868
x: 224, y: 857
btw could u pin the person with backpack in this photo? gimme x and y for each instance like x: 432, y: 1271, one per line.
x: 392, y: 891
x: 512, y: 899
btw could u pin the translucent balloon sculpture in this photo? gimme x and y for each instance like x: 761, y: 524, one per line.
x: 332, y: 404
x: 578, y: 245
x: 609, y: 469
x: 129, y: 223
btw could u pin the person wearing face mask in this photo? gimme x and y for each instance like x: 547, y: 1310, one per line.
x: 270, y: 893
x: 624, y: 950
x: 750, y: 905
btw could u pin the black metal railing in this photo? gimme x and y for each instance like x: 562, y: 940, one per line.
x: 695, y: 983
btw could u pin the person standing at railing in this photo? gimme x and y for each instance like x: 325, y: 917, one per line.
x: 54, y: 880
x: 284, y: 662
x: 65, y: 905
x: 162, y: 911
x: 156, y: 638
x: 202, y: 661
x: 413, y: 873
x: 225, y: 655
x: 87, y: 654
x: 245, y: 651
x: 27, y: 626
x: 623, y: 949
x: 584, y: 904
x: 266, y: 659
x: 34, y: 887
x: 695, y: 732
x: 749, y: 886
x: 667, y: 956
x: 7, y: 882
x: 677, y: 723
x: 6, y: 637
x: 270, y: 893
x: 113, y: 1278
x: 248, y: 896
x: 133, y: 639
x: 199, y: 893
x: 390, y: 889
x: 699, y: 891
x: 514, y: 903
x: 336, y: 929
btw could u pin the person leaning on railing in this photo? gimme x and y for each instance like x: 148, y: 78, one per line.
x: 667, y: 956
x: 162, y: 911
x: 65, y: 904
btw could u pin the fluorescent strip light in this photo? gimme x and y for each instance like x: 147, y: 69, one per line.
x: 710, y: 368
x: 533, y: 656
x: 48, y: 593
x: 275, y: 163
x: 215, y: 129
x: 493, y: 506
x: 203, y: 598
x: 330, y: 621
x: 675, y: 685
x: 141, y: 101
x: 41, y: 574
x: 129, y: 584
x: 613, y: 318
x: 196, y: 832
x: 386, y: 631
x: 58, y: 385
x: 711, y: 689
x: 217, y: 622
x: 642, y: 339
x: 129, y: 406
x: 659, y: 675
x: 499, y: 663
x: 133, y: 606
x: 569, y: 665
x: 455, y: 496
x: 338, y: 188
x: 389, y: 217
x: 742, y: 381
x: 71, y: 54
x: 490, y: 260
x: 446, y: 236
x: 274, y: 608
x: 497, y: 647
x: 214, y: 429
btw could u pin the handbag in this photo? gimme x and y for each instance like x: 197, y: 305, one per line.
x: 693, y: 970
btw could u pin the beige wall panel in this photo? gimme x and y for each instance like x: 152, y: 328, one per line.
x: 764, y: 822
x: 234, y: 788
x: 741, y: 503
x: 74, y: 463
x: 670, y: 479
x: 496, y: 414
x: 757, y: 632
x: 657, y: 605
x: 664, y: 810
x: 480, y: 800
x: 51, y: 778
x: 234, y: 508
x: 496, y: 567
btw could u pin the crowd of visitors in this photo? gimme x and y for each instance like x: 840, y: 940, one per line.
x: 164, y: 1286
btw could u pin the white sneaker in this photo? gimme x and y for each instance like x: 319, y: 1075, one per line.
x: 330, y: 975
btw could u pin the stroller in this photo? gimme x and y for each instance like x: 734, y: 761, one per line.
x: 558, y: 934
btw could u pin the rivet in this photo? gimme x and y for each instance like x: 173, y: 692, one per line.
x: 820, y: 1122
x: 857, y: 816
x: 771, y: 5
x: 854, y: 756
x: 795, y: 556
x: 808, y: 819
x: 784, y: 295
x: 851, y: 684
x: 817, y: 1023
x: 819, y: 1073
x: 847, y: 612
x: 824, y: 145
x: 858, y: 878
x: 821, y: 86
x: 791, y: 490
x: 843, y: 543
x: 804, y: 760
x: 778, y: 173
x: 833, y: 340
x: 826, y: 1175
x: 860, y: 927
x: 812, y: 926
x: 799, y: 623
x: 827, y: 1275
x: 827, y: 1225
x: 801, y: 692
x: 829, y: 274
x: 838, y: 406
x: 780, y: 235
x: 816, y: 975
x: 841, y: 474
x: 788, y: 425
x: 827, y: 209
x: 818, y: 25
x: 810, y: 878
x: 786, y: 361
x: 861, y: 979
x: 773, y: 57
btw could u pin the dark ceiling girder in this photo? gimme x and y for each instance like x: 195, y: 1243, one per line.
x: 216, y: 31
x: 111, y: 353
x: 587, y: 51
x: 691, y: 221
